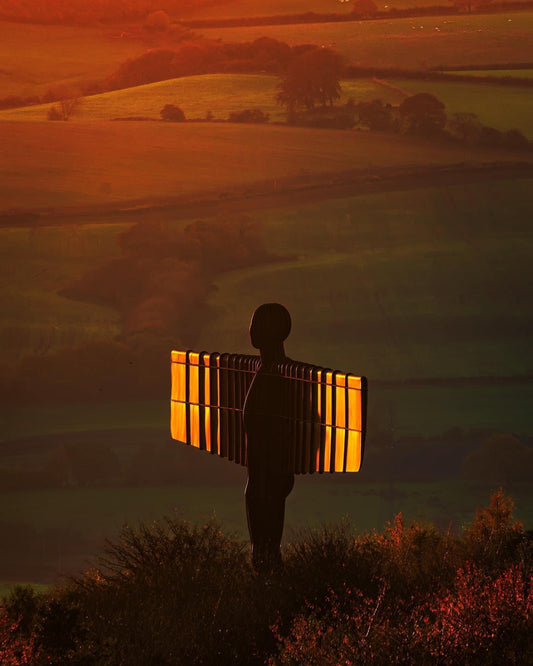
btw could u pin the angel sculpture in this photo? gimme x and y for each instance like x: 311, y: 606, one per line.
x: 275, y: 416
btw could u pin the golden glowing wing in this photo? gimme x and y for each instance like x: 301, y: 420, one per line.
x: 326, y: 410
x: 208, y: 392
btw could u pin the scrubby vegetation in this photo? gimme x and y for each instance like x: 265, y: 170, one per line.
x: 176, y: 593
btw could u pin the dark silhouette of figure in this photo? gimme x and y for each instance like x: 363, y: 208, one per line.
x: 266, y: 427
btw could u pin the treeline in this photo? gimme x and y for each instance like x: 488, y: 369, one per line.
x: 194, y: 55
x: 173, y: 593
x: 159, y: 285
x: 421, y: 115
x: 205, y: 56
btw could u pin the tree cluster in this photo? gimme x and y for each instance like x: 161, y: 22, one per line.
x: 311, y: 78
x: 421, y: 115
x: 202, y: 56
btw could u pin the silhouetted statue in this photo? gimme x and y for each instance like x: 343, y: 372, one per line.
x: 266, y: 426
x: 276, y: 416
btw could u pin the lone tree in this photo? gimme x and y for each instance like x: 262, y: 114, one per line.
x: 172, y: 113
x: 312, y: 78
x: 422, y: 114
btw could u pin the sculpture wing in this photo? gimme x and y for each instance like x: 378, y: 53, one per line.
x: 208, y: 392
x: 327, y: 418
x: 325, y: 410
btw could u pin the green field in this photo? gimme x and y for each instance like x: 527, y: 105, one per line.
x: 502, y: 107
x: 196, y: 95
x: 414, y: 43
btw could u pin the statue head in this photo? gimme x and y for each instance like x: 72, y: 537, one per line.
x: 270, y: 326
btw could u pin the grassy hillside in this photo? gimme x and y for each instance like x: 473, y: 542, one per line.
x: 196, y: 95
x: 60, y: 164
x: 36, y: 58
x: 411, y: 43
x: 223, y: 94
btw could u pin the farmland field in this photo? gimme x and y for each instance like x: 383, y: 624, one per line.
x: 48, y: 164
x: 238, y: 8
x: 74, y: 55
x: 414, y: 43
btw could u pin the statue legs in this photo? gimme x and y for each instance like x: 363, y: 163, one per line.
x: 266, y: 515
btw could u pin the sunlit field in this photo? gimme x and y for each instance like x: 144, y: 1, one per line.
x: 86, y: 163
x: 414, y: 43
x: 36, y: 58
x: 220, y: 94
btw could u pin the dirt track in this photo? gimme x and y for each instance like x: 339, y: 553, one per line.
x: 279, y: 193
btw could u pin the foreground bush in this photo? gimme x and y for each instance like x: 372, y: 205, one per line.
x: 173, y: 593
